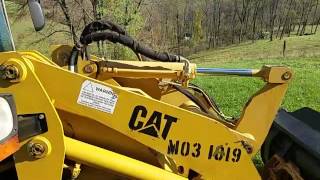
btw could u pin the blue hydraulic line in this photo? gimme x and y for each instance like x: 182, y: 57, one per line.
x: 222, y: 71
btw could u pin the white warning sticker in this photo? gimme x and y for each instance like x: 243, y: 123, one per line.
x: 97, y: 96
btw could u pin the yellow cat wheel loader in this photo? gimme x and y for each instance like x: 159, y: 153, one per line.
x: 77, y: 116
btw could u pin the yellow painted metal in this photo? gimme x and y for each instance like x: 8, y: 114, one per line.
x: 31, y: 97
x: 193, y: 142
x: 258, y: 115
x: 104, y: 159
x: 138, y: 69
x: 148, y: 85
x: 102, y: 136
x: 146, y: 65
x: 190, y: 128
x: 115, y: 72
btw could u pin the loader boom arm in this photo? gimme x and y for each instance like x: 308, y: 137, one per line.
x: 192, y: 141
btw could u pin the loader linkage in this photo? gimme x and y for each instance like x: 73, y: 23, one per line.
x: 103, y: 111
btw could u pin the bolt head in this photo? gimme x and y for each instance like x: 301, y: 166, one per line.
x: 286, y: 76
x: 181, y: 169
x: 41, y: 116
x: 11, y: 72
x: 88, y: 69
x: 36, y: 150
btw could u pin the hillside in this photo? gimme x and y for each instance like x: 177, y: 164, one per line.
x: 25, y: 36
x: 297, y: 46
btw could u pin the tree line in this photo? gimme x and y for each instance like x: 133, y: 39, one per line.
x: 215, y: 23
x: 187, y: 26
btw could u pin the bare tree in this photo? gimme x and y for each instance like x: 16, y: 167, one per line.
x: 314, y: 17
x: 286, y: 25
x: 274, y: 4
x: 257, y: 8
x: 65, y: 10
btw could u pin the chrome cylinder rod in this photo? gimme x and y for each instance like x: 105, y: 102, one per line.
x: 223, y: 71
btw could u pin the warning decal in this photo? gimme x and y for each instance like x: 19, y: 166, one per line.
x: 97, y: 96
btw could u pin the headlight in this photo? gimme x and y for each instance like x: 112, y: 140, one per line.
x: 9, y: 142
x: 6, y: 119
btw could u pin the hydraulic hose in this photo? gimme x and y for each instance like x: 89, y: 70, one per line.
x: 96, y: 26
x: 126, y: 40
x: 106, y: 30
x: 73, y: 59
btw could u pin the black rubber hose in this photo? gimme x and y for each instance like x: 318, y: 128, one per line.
x: 96, y: 26
x: 73, y: 59
x: 131, y: 43
x: 192, y: 97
